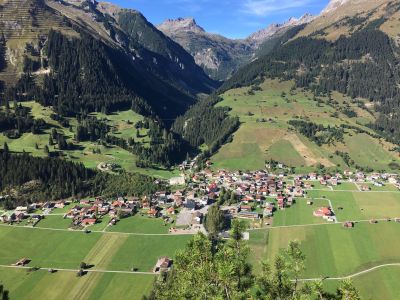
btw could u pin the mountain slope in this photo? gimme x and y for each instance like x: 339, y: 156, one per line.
x: 219, y: 56
x: 163, y: 83
x: 322, y: 95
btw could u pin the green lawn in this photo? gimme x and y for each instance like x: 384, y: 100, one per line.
x: 300, y: 213
x: 345, y: 186
x: 57, y: 222
x: 362, y: 205
x: 139, y: 224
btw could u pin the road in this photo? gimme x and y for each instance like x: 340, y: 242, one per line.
x: 76, y: 270
x: 97, y: 231
x: 355, y: 274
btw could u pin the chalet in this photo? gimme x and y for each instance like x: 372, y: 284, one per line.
x: 309, y: 202
x: 153, y: 212
x: 170, y: 210
x: 60, y: 204
x: 113, y: 222
x: 245, y: 208
x: 312, y: 176
x: 323, y: 212
x: 163, y: 265
x: 21, y: 209
x: 365, y: 188
x: 84, y: 202
x: 87, y: 222
x: 268, y: 212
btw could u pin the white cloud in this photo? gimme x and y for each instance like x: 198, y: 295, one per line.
x: 267, y: 7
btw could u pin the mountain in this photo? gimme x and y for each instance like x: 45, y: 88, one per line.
x: 219, y: 56
x: 346, y: 60
x: 135, y: 64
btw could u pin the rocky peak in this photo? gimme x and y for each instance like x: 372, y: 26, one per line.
x: 263, y: 34
x: 180, y: 24
x: 333, y: 5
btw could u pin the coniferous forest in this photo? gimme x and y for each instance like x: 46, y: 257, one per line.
x: 353, y: 65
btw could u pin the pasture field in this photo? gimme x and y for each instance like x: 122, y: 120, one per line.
x: 300, y: 213
x: 361, y: 205
x: 264, y: 133
x: 386, y: 188
x: 46, y: 248
x: 60, y: 285
x: 335, y: 251
x: 139, y: 224
x: 56, y: 222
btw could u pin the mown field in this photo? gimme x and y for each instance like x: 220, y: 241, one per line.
x: 334, y: 251
x: 67, y: 249
x: 91, y: 154
x: 265, y: 134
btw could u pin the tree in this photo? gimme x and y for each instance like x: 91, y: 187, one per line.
x: 347, y: 291
x: 3, y: 293
x: 214, y: 220
x: 46, y: 150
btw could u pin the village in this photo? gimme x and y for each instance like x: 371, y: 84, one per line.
x: 254, y: 196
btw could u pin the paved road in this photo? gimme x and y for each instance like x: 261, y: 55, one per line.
x: 355, y: 274
x: 76, y: 270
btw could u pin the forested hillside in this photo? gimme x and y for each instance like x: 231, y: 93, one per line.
x: 24, y: 178
x: 362, y: 65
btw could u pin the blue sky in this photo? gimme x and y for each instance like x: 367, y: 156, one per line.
x: 232, y: 18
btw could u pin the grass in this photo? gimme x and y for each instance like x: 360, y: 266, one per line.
x: 42, y: 285
x: 255, y: 141
x: 362, y: 205
x: 57, y: 222
x: 335, y: 251
x: 122, y: 124
x: 64, y: 249
x: 300, y: 213
x: 139, y: 224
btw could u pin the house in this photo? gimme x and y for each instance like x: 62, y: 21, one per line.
x: 348, y: 224
x: 153, y: 212
x: 22, y: 262
x: 197, y: 218
x: 365, y: 188
x: 177, y: 180
x: 163, y: 265
x: 309, y: 202
x: 245, y: 208
x: 190, y: 204
x: 323, y: 212
x: 87, y: 222
x: 248, y: 215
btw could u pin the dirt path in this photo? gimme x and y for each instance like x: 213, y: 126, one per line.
x: 355, y: 274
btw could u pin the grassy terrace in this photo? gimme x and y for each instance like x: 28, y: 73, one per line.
x: 256, y: 142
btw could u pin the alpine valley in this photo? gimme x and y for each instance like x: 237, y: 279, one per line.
x: 162, y: 161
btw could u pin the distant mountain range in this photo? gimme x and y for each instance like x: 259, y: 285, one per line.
x: 219, y: 56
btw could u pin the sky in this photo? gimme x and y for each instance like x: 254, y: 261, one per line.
x: 231, y: 18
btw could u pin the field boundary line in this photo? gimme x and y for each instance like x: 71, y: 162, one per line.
x: 353, y: 275
x: 97, y: 231
x: 76, y: 270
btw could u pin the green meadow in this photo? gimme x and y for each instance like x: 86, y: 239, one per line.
x: 67, y: 249
x: 264, y: 133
